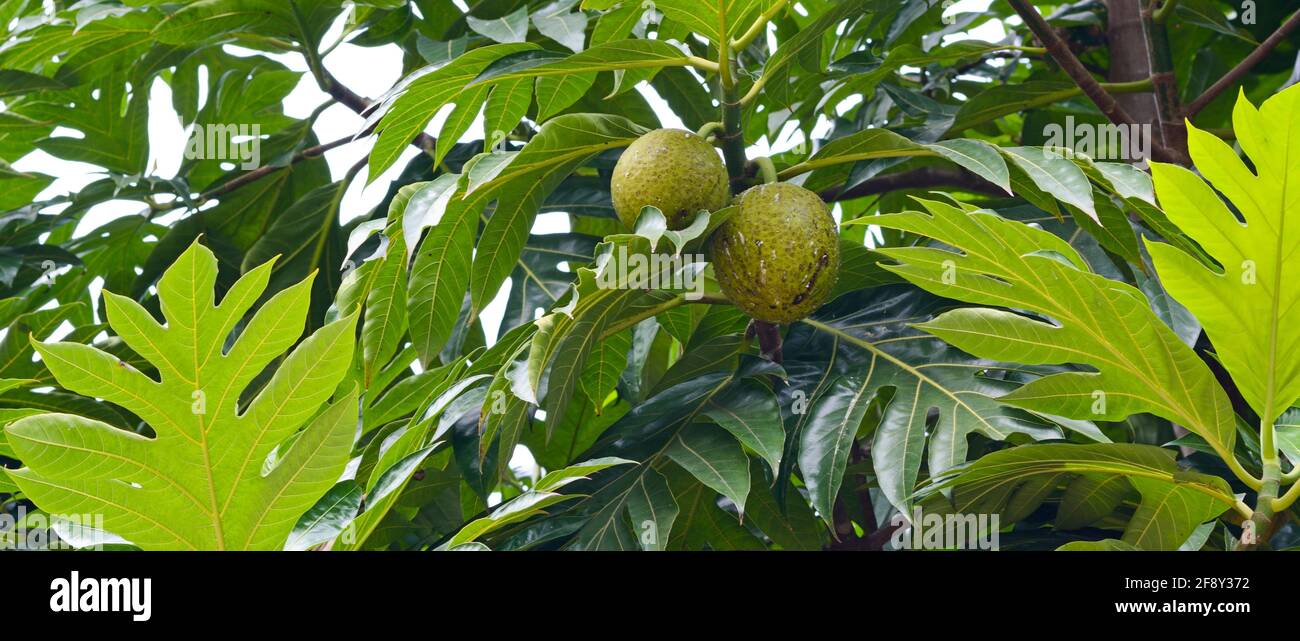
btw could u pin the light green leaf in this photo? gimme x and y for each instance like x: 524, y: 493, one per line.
x: 611, y: 56
x: 576, y: 472
x: 979, y: 157
x: 1288, y: 434
x: 199, y: 483
x: 713, y: 19
x: 469, y: 103
x: 564, y: 27
x: 868, y: 144
x: 328, y: 517
x: 616, y: 23
x: 1104, y: 545
x: 1142, y: 365
x: 440, y: 275
x: 513, y: 511
x: 506, y: 107
x: 1249, y: 306
x: 810, y: 38
x: 14, y: 82
x: 1090, y: 498
x: 1005, y: 99
x: 114, y: 128
x: 422, y: 95
x: 1204, y: 13
x: 1128, y: 181
x: 562, y: 145
x: 385, y: 322
x: 606, y: 362
x: 557, y: 93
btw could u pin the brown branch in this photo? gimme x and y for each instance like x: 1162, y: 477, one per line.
x: 344, y: 96
x: 1232, y: 77
x: 262, y: 172
x: 922, y: 178
x: 1105, y: 102
x: 361, y: 105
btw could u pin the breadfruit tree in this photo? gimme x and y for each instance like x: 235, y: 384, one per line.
x: 662, y: 275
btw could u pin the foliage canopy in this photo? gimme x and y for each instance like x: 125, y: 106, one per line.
x: 1066, y: 292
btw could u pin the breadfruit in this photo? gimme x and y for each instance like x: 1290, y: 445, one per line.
x: 674, y: 170
x: 778, y: 256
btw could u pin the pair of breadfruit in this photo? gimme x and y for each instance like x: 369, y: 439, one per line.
x: 777, y: 257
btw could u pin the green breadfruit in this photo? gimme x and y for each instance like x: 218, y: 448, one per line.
x: 674, y: 170
x: 778, y: 257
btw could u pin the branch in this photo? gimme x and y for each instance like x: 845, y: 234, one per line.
x: 732, y: 138
x: 262, y: 172
x: 344, y: 96
x: 361, y: 105
x: 1080, y: 75
x: 724, y: 63
x: 922, y: 178
x: 330, y: 85
x: 1232, y: 77
x: 757, y: 28
x: 702, y: 64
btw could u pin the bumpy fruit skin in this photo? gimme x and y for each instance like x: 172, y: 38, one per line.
x: 778, y: 257
x: 674, y: 170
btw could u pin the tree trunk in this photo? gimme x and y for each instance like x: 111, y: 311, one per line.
x: 1129, y: 61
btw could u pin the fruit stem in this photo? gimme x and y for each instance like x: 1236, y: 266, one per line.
x: 709, y: 129
x: 766, y: 169
x: 769, y: 339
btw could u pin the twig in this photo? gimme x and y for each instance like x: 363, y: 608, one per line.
x: 756, y: 29
x: 1161, y: 14
x: 330, y: 85
x: 1232, y: 77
